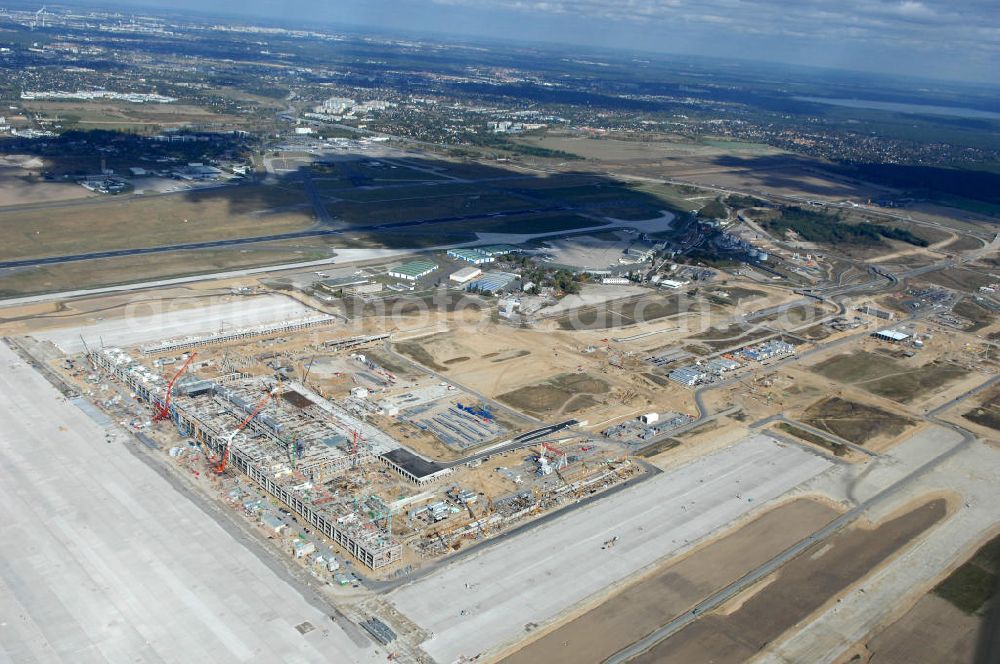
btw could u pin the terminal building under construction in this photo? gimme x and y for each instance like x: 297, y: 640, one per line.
x: 301, y: 442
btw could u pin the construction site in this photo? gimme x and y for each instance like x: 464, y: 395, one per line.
x: 443, y: 475
x: 299, y: 431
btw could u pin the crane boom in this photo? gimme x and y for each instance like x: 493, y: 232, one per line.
x: 221, y: 468
x: 552, y: 448
x: 163, y: 410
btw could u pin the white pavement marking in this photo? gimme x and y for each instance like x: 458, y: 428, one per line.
x: 144, y: 322
x: 484, y: 601
x: 102, y: 560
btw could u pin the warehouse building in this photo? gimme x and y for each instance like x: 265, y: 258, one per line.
x: 198, y: 172
x: 492, y: 282
x: 498, y: 249
x: 474, y: 256
x: 721, y: 365
x: 364, y: 289
x: 892, y: 336
x: 465, y: 275
x: 688, y: 376
x: 413, y: 270
x: 337, y: 283
x: 877, y: 313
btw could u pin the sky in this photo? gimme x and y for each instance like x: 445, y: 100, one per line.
x: 949, y: 39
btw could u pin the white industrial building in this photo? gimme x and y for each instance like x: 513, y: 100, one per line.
x: 413, y: 270
x: 364, y: 289
x: 894, y: 336
x: 465, y: 275
x: 688, y: 376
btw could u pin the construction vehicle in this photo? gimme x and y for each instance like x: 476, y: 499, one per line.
x: 163, y: 409
x: 558, y: 456
x: 481, y: 411
x: 221, y: 467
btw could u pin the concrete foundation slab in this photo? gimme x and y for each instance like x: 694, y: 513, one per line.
x: 102, y: 560
x: 485, y: 601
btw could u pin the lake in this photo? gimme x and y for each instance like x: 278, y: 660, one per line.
x: 927, y: 109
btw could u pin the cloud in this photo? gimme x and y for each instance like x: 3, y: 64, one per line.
x: 952, y: 31
x: 938, y: 38
x: 820, y: 15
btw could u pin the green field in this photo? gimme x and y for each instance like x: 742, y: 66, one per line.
x: 138, y: 221
x: 839, y: 449
x: 885, y: 377
x: 129, y: 269
x: 852, y: 421
x: 979, y: 315
x: 429, y: 207
x: 352, y: 173
x: 361, y: 194
x: 974, y: 584
x: 987, y: 414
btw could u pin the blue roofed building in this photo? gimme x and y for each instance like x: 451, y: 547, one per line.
x: 492, y: 282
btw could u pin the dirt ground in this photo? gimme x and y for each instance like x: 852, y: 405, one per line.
x: 933, y: 631
x: 623, y: 313
x: 987, y: 414
x: 17, y: 188
x: 798, y: 589
x: 540, y: 371
x: 945, y: 626
x: 646, y: 604
x: 900, y: 381
x: 856, y: 422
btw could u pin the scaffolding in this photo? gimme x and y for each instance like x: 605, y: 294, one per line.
x: 188, y: 343
x: 288, y: 452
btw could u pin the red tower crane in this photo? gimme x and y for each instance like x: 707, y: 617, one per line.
x: 221, y: 468
x: 556, y: 452
x: 560, y: 457
x: 163, y: 409
x: 354, y: 446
